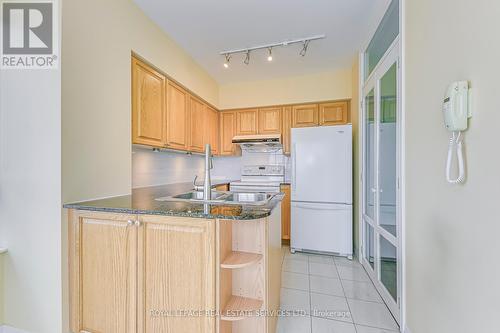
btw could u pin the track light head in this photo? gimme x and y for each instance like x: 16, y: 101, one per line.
x: 247, y: 58
x: 305, y: 44
x: 270, y: 56
x: 228, y: 58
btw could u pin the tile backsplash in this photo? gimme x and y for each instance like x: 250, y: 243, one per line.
x: 151, y: 168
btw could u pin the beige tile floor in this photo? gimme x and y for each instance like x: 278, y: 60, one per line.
x: 330, y: 295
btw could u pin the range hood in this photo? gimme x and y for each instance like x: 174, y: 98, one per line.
x: 259, y: 143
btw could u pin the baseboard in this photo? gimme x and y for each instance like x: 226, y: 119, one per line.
x: 8, y: 329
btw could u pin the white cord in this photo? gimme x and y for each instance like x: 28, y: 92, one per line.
x: 455, y: 142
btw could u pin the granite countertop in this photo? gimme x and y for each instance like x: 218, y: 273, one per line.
x: 142, y: 201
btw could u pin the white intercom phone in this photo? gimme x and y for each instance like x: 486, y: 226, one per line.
x: 456, y: 111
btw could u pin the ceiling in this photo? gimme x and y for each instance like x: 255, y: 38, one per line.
x: 205, y: 28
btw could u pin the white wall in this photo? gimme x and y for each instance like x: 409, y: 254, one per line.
x: 289, y: 90
x: 30, y: 198
x: 452, y: 231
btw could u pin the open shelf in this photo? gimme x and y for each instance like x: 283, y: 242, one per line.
x: 238, y: 259
x: 237, y: 305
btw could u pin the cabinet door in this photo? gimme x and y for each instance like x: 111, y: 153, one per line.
x: 227, y: 132
x: 103, y: 272
x: 177, y: 117
x: 270, y: 120
x: 285, y: 213
x: 176, y: 273
x: 286, y: 133
x: 246, y: 122
x: 212, y: 129
x: 198, y: 124
x: 148, y: 105
x: 334, y: 113
x: 305, y: 115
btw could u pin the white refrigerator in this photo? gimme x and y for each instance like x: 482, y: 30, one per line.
x: 322, y: 190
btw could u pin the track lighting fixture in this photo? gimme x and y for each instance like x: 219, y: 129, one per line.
x: 247, y: 57
x: 304, y: 41
x: 228, y: 58
x: 270, y: 56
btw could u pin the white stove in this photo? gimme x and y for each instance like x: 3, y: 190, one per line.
x: 260, y: 178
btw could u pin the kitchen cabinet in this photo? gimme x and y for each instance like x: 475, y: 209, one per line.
x: 103, y: 272
x: 285, y: 214
x: 334, y: 113
x: 227, y: 132
x: 305, y: 115
x: 148, y: 105
x: 177, y: 117
x: 270, y: 120
x: 211, y: 128
x: 246, y: 122
x: 286, y: 129
x: 126, y: 271
x: 222, y: 187
x: 176, y: 272
x: 198, y: 124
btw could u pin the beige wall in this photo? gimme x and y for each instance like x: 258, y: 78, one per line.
x: 98, y: 37
x: 452, y: 231
x: 297, y: 89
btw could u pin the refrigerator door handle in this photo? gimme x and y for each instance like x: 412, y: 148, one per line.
x: 317, y: 207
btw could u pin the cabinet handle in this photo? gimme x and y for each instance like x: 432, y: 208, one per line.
x: 138, y: 223
x: 130, y: 223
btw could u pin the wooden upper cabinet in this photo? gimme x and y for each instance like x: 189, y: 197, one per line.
x: 286, y: 129
x: 198, y: 124
x: 305, y: 115
x: 176, y: 272
x: 227, y: 130
x: 103, y: 272
x: 270, y: 120
x: 177, y: 116
x: 246, y: 122
x: 335, y: 113
x: 148, y: 105
x: 212, y: 129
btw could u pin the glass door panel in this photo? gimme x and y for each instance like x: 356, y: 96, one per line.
x: 388, y: 150
x: 370, y: 245
x: 389, y: 267
x: 370, y: 155
x: 381, y: 252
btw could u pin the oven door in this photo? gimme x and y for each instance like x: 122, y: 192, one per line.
x: 253, y: 188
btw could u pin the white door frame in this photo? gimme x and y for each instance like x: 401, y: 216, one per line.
x: 392, y: 55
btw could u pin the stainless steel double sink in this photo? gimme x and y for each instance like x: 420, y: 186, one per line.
x: 227, y: 198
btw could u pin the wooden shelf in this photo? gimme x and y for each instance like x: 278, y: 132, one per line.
x: 240, y: 259
x: 239, y: 308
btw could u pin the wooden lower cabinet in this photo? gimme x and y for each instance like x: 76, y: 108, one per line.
x: 128, y: 272
x: 286, y: 214
x: 103, y: 272
x: 176, y: 260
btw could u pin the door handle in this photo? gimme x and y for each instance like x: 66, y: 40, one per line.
x: 294, y: 167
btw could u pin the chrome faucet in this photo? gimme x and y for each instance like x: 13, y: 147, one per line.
x: 207, y: 184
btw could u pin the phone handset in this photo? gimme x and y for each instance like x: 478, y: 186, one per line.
x: 456, y: 111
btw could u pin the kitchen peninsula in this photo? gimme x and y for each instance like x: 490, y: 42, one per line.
x: 138, y: 264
